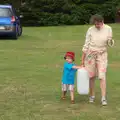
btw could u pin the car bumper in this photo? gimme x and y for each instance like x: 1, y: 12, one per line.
x: 8, y: 31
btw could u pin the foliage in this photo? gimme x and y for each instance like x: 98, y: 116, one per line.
x: 65, y: 12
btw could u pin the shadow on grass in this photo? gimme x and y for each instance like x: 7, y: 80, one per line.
x: 6, y: 38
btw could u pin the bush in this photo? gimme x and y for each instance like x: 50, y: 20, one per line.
x: 109, y: 12
x: 61, y: 12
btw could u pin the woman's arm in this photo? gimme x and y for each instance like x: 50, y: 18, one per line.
x: 87, y: 41
x: 86, y: 45
x: 83, y: 58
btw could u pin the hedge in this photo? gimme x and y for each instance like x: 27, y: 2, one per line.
x: 60, y: 12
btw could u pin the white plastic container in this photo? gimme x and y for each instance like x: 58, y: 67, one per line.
x: 82, y: 81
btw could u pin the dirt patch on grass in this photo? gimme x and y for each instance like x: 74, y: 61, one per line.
x: 51, y: 66
x: 115, y: 65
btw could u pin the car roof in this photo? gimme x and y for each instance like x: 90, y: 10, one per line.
x: 5, y: 6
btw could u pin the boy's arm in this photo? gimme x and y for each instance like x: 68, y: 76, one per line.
x: 72, y: 66
x: 76, y: 67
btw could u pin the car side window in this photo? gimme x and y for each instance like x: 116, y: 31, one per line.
x: 13, y: 10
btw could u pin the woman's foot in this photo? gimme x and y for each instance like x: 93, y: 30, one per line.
x: 104, y: 102
x: 91, y: 99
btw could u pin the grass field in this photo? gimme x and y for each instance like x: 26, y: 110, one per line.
x: 30, y: 76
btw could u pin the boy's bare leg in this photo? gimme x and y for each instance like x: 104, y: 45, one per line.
x: 72, y: 96
x: 64, y: 94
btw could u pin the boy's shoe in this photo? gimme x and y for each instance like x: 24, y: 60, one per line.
x: 72, y: 101
x: 63, y: 98
x: 104, y: 102
x: 91, y: 99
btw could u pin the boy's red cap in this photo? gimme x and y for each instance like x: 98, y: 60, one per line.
x: 70, y: 54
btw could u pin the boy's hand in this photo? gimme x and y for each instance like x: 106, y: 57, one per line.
x: 77, y: 67
x: 80, y: 67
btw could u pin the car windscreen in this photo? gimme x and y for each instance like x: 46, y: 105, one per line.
x: 5, y: 12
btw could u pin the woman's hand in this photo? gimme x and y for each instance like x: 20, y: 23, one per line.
x: 110, y: 42
x: 82, y: 65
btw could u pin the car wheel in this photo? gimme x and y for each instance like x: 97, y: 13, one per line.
x: 19, y: 30
x: 15, y: 36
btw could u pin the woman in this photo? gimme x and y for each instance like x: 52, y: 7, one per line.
x: 94, y: 56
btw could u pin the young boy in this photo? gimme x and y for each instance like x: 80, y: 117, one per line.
x: 69, y: 75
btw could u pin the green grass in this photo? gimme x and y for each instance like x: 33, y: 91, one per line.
x: 30, y: 76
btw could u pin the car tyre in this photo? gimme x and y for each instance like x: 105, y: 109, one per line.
x: 20, y: 30
x: 15, y: 36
